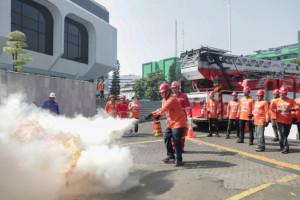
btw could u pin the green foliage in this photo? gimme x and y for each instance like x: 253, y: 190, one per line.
x: 147, y: 88
x: 15, y: 47
x: 175, y: 75
x: 115, y: 84
x: 296, y: 61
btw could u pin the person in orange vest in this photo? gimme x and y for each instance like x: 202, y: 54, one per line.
x: 111, y: 106
x: 186, y: 107
x: 122, y: 107
x: 232, y: 110
x: 284, y: 107
x: 134, y: 107
x: 273, y: 115
x: 297, y: 114
x: 245, y: 111
x: 261, y: 119
x: 212, y: 107
x: 176, y: 121
x: 101, y: 89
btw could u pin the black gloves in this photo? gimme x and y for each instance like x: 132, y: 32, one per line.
x: 279, y: 111
x: 208, y: 112
x: 157, y: 118
x: 148, y: 116
x: 290, y: 109
x: 266, y: 124
x: 250, y: 116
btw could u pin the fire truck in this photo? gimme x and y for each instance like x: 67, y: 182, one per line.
x: 212, y: 69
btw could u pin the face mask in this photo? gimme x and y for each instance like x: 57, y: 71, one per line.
x: 135, y: 100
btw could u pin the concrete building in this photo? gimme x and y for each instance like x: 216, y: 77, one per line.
x: 283, y: 53
x: 66, y: 38
x: 163, y: 65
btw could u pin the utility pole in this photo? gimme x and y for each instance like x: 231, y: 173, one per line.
x: 229, y: 24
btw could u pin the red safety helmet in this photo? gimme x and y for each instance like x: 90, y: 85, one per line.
x: 234, y: 94
x: 260, y: 92
x: 211, y: 94
x: 283, y: 89
x: 276, y: 91
x: 174, y: 84
x: 163, y: 87
x: 246, y: 89
x: 123, y: 96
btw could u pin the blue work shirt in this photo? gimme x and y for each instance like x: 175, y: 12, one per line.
x: 53, y: 107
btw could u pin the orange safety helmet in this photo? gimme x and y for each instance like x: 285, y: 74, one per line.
x: 174, y: 84
x: 211, y: 94
x: 234, y: 94
x: 163, y: 87
x: 260, y: 92
x: 276, y: 91
x: 246, y: 89
x: 123, y: 96
x: 283, y: 89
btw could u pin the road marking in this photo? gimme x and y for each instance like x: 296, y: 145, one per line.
x: 261, y: 187
x: 276, y: 162
x: 152, y: 141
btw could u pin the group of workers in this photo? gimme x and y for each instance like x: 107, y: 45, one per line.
x: 119, y: 109
x: 282, y: 112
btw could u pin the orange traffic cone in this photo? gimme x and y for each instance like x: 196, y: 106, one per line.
x: 190, y: 131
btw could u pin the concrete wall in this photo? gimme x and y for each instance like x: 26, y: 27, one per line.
x: 72, y: 96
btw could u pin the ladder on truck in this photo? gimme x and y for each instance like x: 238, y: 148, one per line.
x: 203, y: 57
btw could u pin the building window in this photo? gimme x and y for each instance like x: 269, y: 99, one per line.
x: 75, y: 42
x: 36, y: 22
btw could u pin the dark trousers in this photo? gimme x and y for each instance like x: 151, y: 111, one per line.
x: 230, y: 126
x: 250, y: 129
x: 298, y: 127
x: 136, y: 127
x: 215, y: 120
x: 101, y: 94
x: 175, y: 134
x: 284, y: 130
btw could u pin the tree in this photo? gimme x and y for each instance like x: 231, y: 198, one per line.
x: 16, y: 43
x: 148, y: 87
x: 297, y: 61
x: 115, y: 84
x: 173, y: 73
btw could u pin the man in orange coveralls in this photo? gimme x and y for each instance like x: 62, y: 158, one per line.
x: 122, y: 107
x: 111, y: 106
x: 284, y: 117
x: 273, y: 115
x: 261, y: 119
x: 212, y: 107
x: 297, y: 119
x: 176, y: 120
x: 101, y: 89
x: 245, y: 111
x: 186, y: 107
x: 134, y: 108
x: 232, y: 110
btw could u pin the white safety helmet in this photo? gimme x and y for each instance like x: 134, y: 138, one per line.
x: 52, y: 94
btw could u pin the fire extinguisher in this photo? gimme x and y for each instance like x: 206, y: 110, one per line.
x: 156, y: 125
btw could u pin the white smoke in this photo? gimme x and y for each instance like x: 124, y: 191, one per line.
x: 34, y: 163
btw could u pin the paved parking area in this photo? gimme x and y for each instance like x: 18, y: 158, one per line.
x: 214, y: 168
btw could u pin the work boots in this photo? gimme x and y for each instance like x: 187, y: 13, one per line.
x: 169, y: 160
x: 250, y: 142
x: 178, y: 163
x: 217, y: 135
x: 209, y: 135
x: 259, y: 149
x: 240, y: 141
x: 275, y: 140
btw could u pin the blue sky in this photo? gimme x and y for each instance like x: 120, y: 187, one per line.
x: 146, y: 28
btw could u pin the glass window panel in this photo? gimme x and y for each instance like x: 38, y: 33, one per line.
x: 73, y: 30
x: 30, y: 11
x: 72, y: 52
x: 15, y: 27
x: 42, y: 28
x: 41, y: 18
x: 32, y: 39
x: 42, y: 42
x: 16, y: 18
x: 65, y: 50
x: 30, y: 24
x: 16, y: 6
x: 73, y: 40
